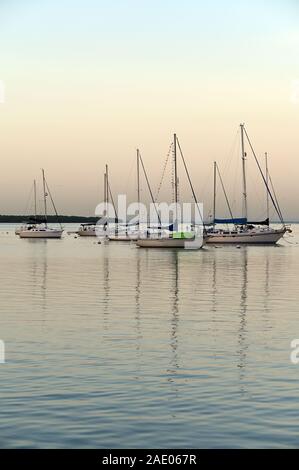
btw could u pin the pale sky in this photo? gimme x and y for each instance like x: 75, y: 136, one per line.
x: 87, y: 82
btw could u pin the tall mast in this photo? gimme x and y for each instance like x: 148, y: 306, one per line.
x: 105, y: 192
x: 267, y: 184
x: 45, y: 197
x: 175, y: 169
x: 138, y: 181
x: 150, y: 189
x: 175, y: 177
x: 138, y: 186
x: 214, y: 200
x: 107, y: 185
x: 244, y: 172
x: 34, y: 189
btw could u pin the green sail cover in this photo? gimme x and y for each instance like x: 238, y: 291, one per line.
x: 183, y: 235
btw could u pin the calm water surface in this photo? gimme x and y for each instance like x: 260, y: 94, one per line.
x: 114, y: 346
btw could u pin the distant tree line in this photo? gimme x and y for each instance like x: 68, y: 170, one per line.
x: 51, y: 218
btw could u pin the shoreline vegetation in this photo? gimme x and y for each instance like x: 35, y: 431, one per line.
x: 7, y: 219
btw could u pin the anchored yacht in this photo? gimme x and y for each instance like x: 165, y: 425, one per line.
x: 244, y: 231
x: 41, y: 230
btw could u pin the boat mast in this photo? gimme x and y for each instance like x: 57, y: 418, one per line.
x: 214, y: 202
x: 138, y: 187
x: 105, y: 208
x: 150, y: 189
x: 34, y: 189
x: 175, y: 170
x: 106, y: 189
x: 138, y: 183
x: 107, y: 185
x: 175, y: 179
x: 267, y: 183
x: 45, y: 197
x: 244, y: 173
x: 112, y: 201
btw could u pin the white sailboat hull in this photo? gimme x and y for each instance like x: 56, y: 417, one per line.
x: 47, y: 233
x: 248, y: 238
x: 87, y: 233
x: 123, y: 238
x: 96, y: 231
x: 23, y: 228
x: 169, y: 243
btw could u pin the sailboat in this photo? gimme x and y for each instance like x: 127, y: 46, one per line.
x: 40, y: 228
x: 87, y: 230
x: 126, y: 232
x: 123, y: 233
x: 173, y: 237
x: 92, y: 229
x: 32, y: 221
x: 244, y: 231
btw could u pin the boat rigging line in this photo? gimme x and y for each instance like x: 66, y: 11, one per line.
x: 190, y: 182
x: 224, y: 191
x: 149, y: 188
x: 264, y: 179
x: 164, y: 170
x: 112, y: 200
x: 49, y: 192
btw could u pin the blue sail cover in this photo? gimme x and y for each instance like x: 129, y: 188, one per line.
x: 240, y: 221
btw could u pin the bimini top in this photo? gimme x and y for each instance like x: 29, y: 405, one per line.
x: 241, y: 221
